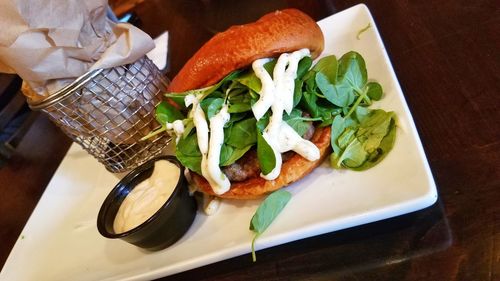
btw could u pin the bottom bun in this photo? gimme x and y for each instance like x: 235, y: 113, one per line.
x: 292, y: 170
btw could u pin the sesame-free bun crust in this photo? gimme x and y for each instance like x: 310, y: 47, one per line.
x: 292, y: 170
x: 275, y: 33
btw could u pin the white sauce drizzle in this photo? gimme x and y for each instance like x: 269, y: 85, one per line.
x: 210, y: 167
x: 211, y: 204
x: 277, y: 94
x: 200, y: 122
x: 210, y: 148
x: 177, y: 127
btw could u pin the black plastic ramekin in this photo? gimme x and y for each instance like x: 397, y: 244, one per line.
x: 162, y: 229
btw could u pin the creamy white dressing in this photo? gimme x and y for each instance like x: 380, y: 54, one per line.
x: 210, y: 147
x: 147, y: 197
x: 177, y: 128
x: 210, y: 167
x: 211, y: 204
x: 200, y: 122
x: 266, y: 92
x: 277, y: 94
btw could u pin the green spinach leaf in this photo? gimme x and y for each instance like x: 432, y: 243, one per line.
x: 297, y: 92
x: 362, y: 141
x: 230, y: 154
x: 352, y: 71
x: 249, y: 79
x: 188, y: 127
x: 166, y: 112
x: 188, y: 153
x: 374, y: 91
x: 340, y: 95
x: 265, y: 154
x: 211, y: 106
x: 304, y: 65
x: 308, y: 102
x: 266, y: 213
x: 381, y: 152
x: 263, y: 122
x: 297, y: 122
x: 328, y: 67
x: 243, y: 133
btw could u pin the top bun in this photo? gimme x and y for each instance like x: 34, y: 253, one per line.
x: 273, y: 34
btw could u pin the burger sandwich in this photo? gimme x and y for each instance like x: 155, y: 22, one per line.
x: 245, y: 110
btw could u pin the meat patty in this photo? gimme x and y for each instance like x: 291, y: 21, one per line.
x: 248, y: 165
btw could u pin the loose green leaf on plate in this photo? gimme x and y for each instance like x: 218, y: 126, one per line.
x: 267, y: 211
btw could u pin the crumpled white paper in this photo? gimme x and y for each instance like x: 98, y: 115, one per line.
x: 51, y: 42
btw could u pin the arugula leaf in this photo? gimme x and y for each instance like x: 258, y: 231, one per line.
x: 266, y: 213
x: 265, y: 154
x: 239, y: 107
x: 166, y: 112
x: 235, y: 117
x: 269, y: 66
x: 338, y: 127
x: 243, y: 133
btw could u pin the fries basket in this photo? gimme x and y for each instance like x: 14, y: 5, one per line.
x: 108, y: 111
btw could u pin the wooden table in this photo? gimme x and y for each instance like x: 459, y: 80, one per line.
x: 446, y: 56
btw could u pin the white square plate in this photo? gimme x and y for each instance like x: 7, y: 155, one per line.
x: 61, y: 241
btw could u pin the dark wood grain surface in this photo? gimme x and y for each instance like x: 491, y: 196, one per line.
x: 446, y: 55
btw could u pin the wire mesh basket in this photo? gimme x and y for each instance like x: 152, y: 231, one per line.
x: 108, y: 111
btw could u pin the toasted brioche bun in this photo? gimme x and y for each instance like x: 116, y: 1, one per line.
x: 275, y: 33
x: 292, y: 170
